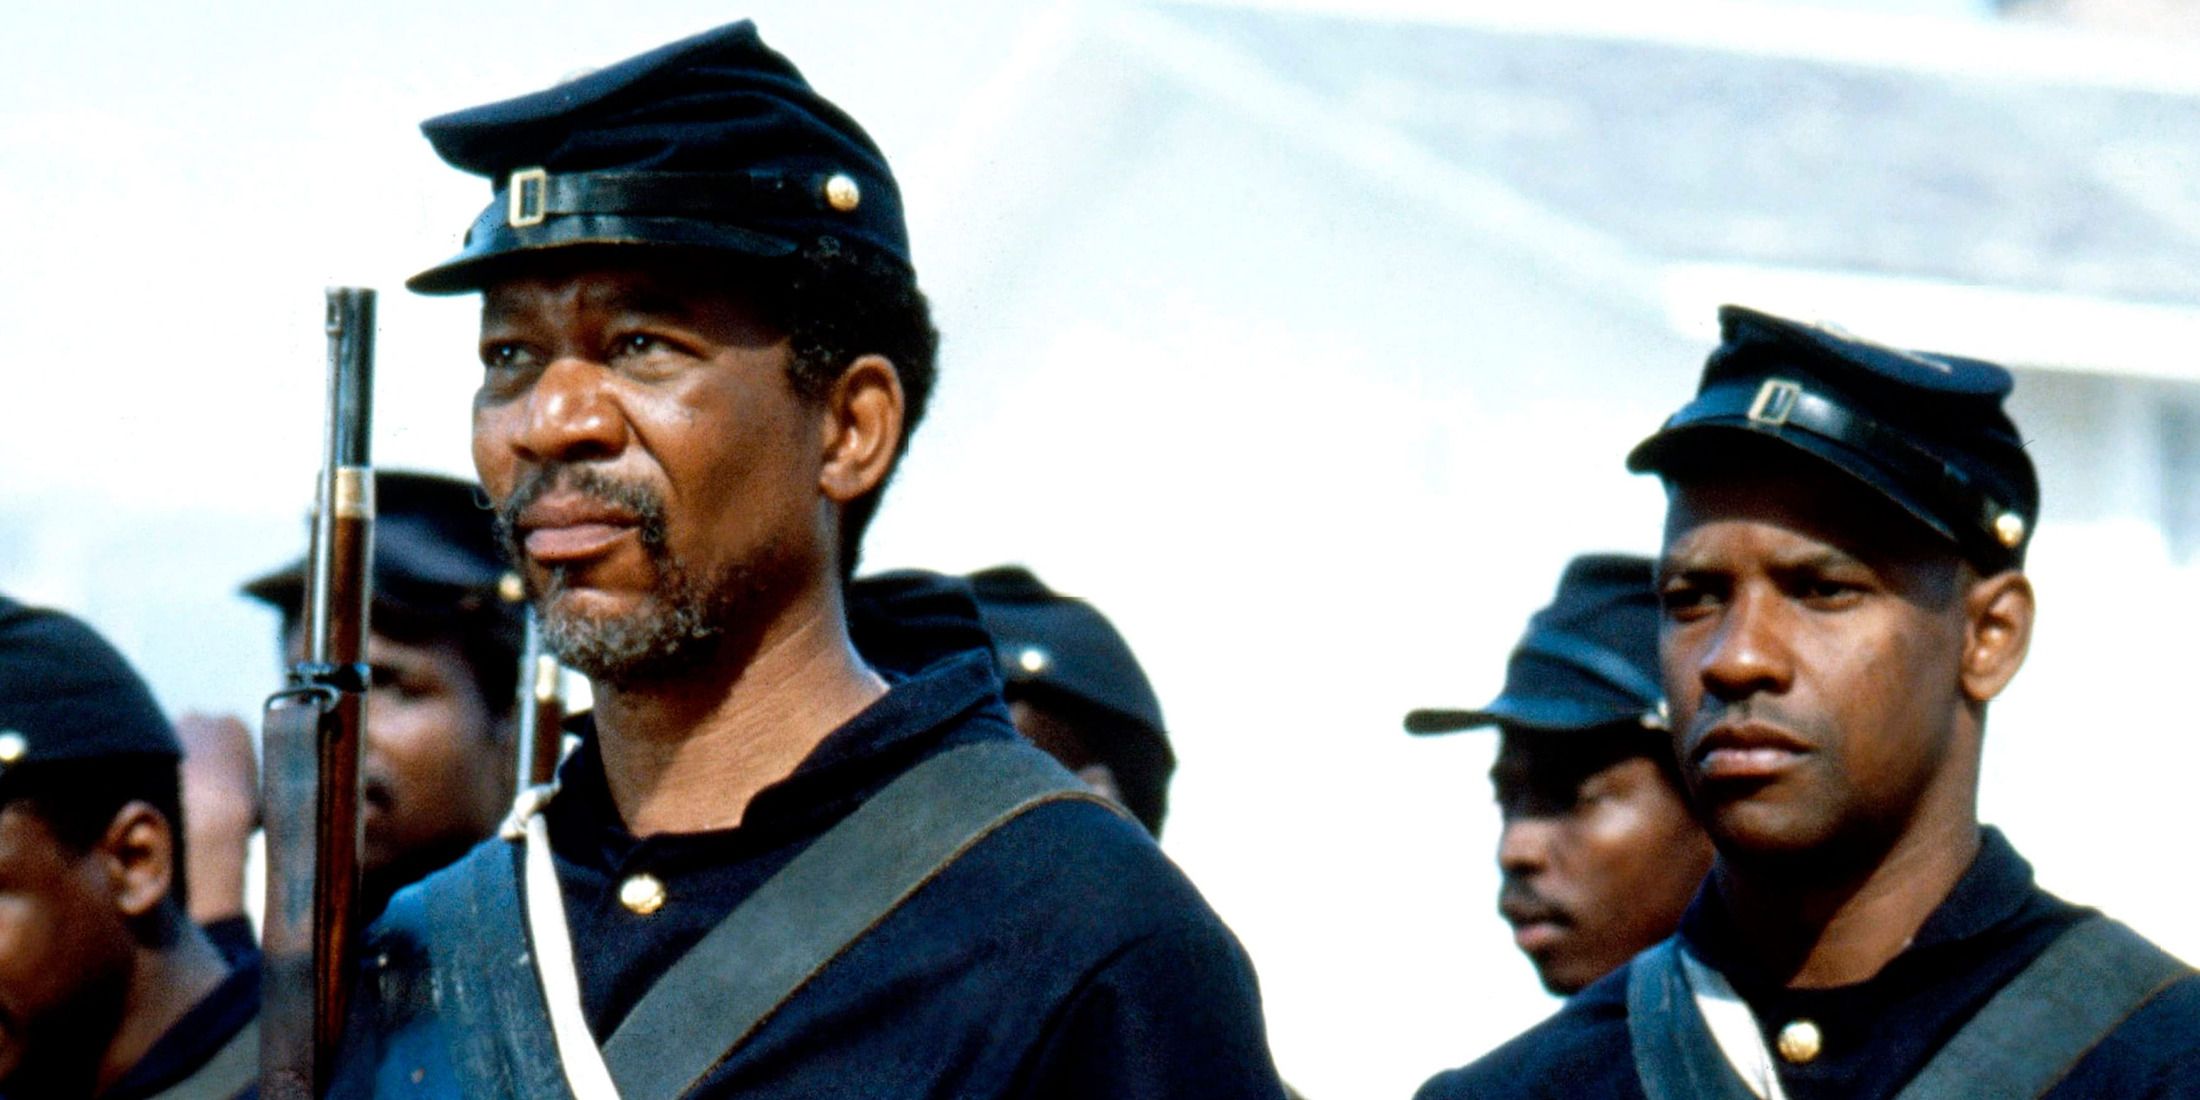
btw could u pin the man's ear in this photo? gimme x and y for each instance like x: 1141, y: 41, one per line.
x: 1997, y: 632
x: 862, y: 429
x: 139, y: 855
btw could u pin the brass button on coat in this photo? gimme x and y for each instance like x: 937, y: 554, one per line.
x: 642, y: 894
x: 1800, y: 1042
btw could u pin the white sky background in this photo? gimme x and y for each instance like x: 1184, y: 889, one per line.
x: 1304, y: 531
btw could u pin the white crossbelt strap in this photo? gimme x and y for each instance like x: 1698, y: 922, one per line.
x: 1733, y: 1027
x: 585, y: 1072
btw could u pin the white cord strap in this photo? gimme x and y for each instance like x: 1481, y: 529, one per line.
x: 585, y: 1072
x: 1733, y: 1027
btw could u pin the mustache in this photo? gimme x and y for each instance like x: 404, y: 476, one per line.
x: 1519, y: 902
x: 537, y: 482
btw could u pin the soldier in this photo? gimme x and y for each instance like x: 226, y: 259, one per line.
x: 444, y: 660
x: 1844, y: 595
x: 1598, y: 852
x: 1075, y: 689
x: 790, y: 856
x: 107, y: 989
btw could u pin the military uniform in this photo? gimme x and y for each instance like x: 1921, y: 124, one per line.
x: 1061, y: 957
x: 1872, y: 1037
x: 927, y: 906
x: 2004, y: 990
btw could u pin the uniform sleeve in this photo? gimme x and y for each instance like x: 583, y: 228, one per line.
x: 1174, y: 1014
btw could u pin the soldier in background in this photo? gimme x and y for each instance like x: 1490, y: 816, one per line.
x: 1844, y: 593
x: 443, y: 658
x: 1598, y: 852
x: 1075, y: 689
x: 107, y: 988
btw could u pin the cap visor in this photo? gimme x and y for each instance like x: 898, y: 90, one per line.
x: 1517, y: 710
x: 1661, y: 452
x: 620, y: 238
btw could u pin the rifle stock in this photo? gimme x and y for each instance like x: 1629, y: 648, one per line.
x: 313, y: 738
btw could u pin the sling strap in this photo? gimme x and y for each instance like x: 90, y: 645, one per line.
x: 2021, y: 1044
x: 1675, y: 1055
x: 2051, y: 1015
x: 804, y: 917
x: 233, y: 1069
x: 495, y: 1025
x: 757, y: 958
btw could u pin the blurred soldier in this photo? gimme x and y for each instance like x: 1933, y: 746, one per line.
x: 443, y: 655
x: 703, y: 350
x: 1598, y: 852
x: 107, y: 989
x: 1844, y: 595
x: 1075, y: 689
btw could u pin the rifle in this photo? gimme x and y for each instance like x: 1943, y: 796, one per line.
x: 312, y: 739
x: 541, y: 707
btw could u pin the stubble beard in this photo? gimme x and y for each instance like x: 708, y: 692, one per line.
x: 681, y: 622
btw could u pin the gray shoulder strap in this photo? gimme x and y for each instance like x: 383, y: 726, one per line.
x: 2043, y: 1023
x: 497, y: 1027
x: 233, y: 1069
x: 1675, y: 1055
x: 804, y: 917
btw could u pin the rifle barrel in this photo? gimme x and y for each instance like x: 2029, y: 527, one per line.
x: 314, y: 739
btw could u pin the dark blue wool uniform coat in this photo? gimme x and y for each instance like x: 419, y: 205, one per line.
x: 1878, y: 1033
x: 193, y: 1041
x: 1063, y: 956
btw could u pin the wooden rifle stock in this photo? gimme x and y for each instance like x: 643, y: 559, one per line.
x: 313, y: 738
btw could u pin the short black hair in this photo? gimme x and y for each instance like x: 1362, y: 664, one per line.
x: 837, y: 303
x: 78, y: 800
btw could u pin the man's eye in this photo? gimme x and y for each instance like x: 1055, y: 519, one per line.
x: 1826, y: 590
x: 503, y: 355
x: 1681, y: 599
x: 641, y: 343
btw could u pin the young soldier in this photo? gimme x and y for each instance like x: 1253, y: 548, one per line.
x: 1844, y: 596
x: 1598, y: 852
x: 107, y: 989
x: 1075, y: 689
x: 787, y: 858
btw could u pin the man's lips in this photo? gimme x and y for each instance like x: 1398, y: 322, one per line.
x: 1747, y: 750
x: 1536, y: 926
x: 571, y: 528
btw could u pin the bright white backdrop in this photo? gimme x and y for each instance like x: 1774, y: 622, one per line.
x: 1317, y: 442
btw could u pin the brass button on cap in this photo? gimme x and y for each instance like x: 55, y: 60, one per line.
x: 12, y: 746
x: 1800, y: 1042
x: 842, y: 194
x: 642, y: 894
x: 2009, y: 528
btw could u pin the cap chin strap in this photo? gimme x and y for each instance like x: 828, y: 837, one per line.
x: 1733, y: 1027
x: 585, y: 1071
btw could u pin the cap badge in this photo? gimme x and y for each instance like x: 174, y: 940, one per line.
x: 12, y: 746
x: 1775, y: 402
x: 527, y: 198
x: 1033, y: 660
x: 2009, y: 528
x: 841, y: 192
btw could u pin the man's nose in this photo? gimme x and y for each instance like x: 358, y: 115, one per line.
x: 1524, y: 845
x: 1748, y: 654
x: 571, y: 415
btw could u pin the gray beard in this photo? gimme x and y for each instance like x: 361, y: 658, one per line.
x: 682, y: 621
x: 675, y: 630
